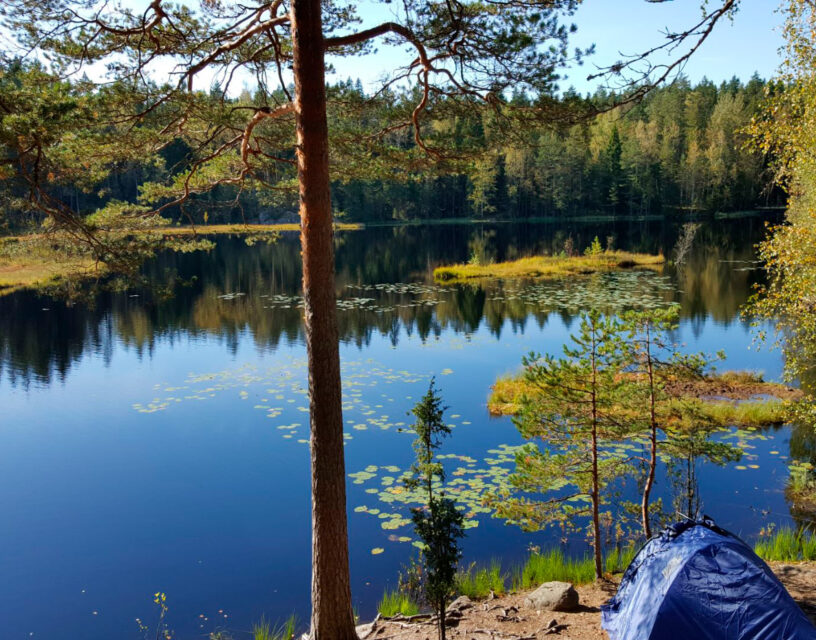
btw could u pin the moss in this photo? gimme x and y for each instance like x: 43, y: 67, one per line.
x: 549, y: 267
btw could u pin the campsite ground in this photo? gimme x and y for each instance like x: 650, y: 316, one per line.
x: 506, y: 618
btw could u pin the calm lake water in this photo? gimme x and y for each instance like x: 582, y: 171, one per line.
x: 156, y: 440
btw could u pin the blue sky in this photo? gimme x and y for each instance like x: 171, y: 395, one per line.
x: 739, y: 47
x: 748, y: 43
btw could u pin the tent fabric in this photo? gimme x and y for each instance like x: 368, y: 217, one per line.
x: 698, y: 581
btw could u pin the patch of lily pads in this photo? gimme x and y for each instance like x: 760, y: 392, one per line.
x: 468, y: 485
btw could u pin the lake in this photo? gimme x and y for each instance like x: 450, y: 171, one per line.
x: 156, y: 439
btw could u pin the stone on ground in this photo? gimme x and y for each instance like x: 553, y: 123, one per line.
x: 553, y: 596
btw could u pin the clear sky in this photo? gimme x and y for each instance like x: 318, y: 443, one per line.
x: 739, y: 47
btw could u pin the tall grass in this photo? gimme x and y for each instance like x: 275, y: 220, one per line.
x: 749, y: 413
x: 263, y: 630
x: 618, y: 559
x: 787, y: 545
x: 554, y: 565
x: 478, y: 583
x: 394, y: 602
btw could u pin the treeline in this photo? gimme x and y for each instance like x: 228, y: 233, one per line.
x: 682, y: 148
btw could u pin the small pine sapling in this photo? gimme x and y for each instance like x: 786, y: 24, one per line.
x: 439, y: 524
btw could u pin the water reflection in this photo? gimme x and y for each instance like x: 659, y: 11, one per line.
x: 40, y: 338
x: 188, y: 415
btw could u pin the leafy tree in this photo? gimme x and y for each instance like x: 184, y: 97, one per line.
x: 574, y: 411
x: 439, y: 525
x: 786, y: 129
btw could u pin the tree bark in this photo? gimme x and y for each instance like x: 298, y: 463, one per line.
x: 647, y: 490
x: 596, y: 492
x: 332, y: 616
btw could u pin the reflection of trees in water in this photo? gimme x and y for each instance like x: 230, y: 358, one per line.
x: 37, y: 344
x: 720, y: 271
x: 682, y: 474
x: 800, y: 491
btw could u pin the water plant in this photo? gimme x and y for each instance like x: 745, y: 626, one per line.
x: 264, y: 630
x: 551, y: 266
x: 395, y: 602
x: 787, y: 545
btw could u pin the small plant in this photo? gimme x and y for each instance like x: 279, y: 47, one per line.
x: 569, y: 247
x: 393, y: 603
x: 595, y: 249
x: 263, y: 630
x: 411, y: 581
x: 576, y: 409
x: 478, y: 583
x: 162, y: 632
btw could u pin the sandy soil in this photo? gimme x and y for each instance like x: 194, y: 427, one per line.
x: 506, y: 618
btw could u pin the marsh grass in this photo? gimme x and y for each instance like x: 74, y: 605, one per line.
x: 477, y: 583
x: 264, y: 630
x: 553, y: 565
x: 787, y: 545
x: 747, y: 413
x: 26, y: 264
x: 507, y: 393
x: 394, y: 602
x: 550, y: 266
x: 42, y: 259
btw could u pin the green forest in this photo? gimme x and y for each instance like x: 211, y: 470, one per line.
x: 684, y: 148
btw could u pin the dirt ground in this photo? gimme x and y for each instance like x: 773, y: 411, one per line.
x: 506, y: 618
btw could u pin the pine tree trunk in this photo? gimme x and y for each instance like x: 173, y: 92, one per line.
x: 596, y: 493
x: 647, y: 490
x: 442, y: 619
x: 332, y: 617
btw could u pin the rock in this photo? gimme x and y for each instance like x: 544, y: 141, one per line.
x: 460, y: 604
x: 553, y: 596
x: 552, y: 623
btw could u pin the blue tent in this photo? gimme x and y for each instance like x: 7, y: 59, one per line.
x: 697, y: 581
